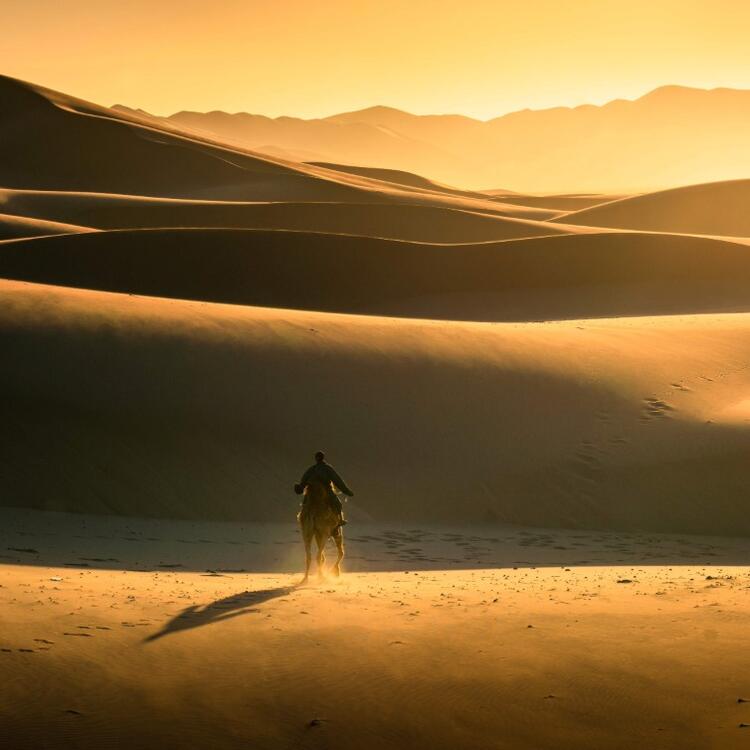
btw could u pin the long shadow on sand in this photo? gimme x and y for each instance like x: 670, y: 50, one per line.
x: 221, y: 609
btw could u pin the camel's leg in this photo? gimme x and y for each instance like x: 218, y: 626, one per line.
x: 339, y: 539
x: 308, y: 537
x: 321, y: 541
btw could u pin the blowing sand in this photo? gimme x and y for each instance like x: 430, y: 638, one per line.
x: 159, y: 631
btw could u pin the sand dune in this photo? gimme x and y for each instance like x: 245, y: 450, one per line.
x: 143, y: 406
x: 55, y: 142
x: 567, y: 276
x: 13, y: 227
x: 562, y: 203
x: 717, y: 208
x: 422, y: 223
x: 400, y: 177
x: 80, y: 147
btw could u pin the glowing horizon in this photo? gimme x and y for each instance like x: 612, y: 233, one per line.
x: 295, y: 59
x: 408, y: 110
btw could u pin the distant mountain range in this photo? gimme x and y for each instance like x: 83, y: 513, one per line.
x: 671, y: 136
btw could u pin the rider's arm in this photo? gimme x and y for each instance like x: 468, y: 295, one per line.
x: 338, y: 482
x: 306, y: 476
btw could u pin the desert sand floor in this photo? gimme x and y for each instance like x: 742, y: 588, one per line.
x: 146, y: 632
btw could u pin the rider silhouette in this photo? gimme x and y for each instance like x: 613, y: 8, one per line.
x: 327, y: 476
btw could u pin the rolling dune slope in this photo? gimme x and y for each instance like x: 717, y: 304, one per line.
x: 51, y: 141
x: 399, y: 177
x: 562, y: 203
x: 716, y: 208
x: 77, y: 147
x: 14, y: 227
x: 421, y: 223
x: 145, y: 406
x: 568, y: 276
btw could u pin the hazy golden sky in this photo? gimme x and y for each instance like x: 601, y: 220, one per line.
x: 318, y: 57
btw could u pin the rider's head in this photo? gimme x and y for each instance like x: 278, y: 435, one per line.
x: 320, y: 456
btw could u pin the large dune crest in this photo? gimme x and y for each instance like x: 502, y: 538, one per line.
x: 395, y: 220
x: 203, y: 411
x: 556, y: 277
x: 81, y: 147
x: 717, y: 208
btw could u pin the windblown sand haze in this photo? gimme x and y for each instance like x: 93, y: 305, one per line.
x: 539, y: 393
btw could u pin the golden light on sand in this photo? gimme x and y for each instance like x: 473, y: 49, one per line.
x: 479, y: 58
x: 524, y: 342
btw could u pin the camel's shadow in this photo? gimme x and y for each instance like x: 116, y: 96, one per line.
x: 221, y: 609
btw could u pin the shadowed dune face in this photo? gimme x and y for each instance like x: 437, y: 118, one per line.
x: 159, y: 407
x: 81, y: 147
x: 718, y: 208
x: 69, y: 147
x: 420, y: 223
x: 569, y: 276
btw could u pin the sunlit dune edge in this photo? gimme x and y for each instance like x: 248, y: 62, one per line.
x: 128, y: 154
x: 718, y: 208
x: 18, y: 227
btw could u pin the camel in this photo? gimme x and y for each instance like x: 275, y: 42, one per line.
x: 317, y: 519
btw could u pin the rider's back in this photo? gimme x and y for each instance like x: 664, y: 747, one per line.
x: 326, y: 475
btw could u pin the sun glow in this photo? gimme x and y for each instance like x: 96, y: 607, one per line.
x: 482, y: 59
